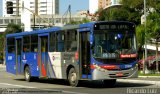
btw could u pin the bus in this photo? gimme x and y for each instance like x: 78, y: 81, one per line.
x: 102, y: 50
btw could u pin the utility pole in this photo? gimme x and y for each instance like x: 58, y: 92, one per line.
x: 17, y: 8
x: 52, y: 14
x: 36, y: 12
x: 36, y: 7
x: 144, y: 65
x: 69, y: 9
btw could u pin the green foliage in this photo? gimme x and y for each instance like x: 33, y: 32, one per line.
x: 118, y: 14
x: 11, y: 28
x: 103, y: 16
x: 140, y: 34
x: 153, y: 25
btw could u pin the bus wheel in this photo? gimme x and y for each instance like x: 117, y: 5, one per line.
x: 72, y: 77
x: 27, y: 74
x: 109, y: 83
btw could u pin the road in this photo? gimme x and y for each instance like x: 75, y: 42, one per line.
x: 13, y: 83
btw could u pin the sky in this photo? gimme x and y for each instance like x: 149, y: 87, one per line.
x: 76, y: 5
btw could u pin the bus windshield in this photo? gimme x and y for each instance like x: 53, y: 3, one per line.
x: 111, y: 45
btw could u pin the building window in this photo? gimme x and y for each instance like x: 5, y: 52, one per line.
x: 43, y: 2
x: 6, y: 21
x: 43, y: 6
x: 1, y: 21
x: 31, y: 2
x: 43, y: 11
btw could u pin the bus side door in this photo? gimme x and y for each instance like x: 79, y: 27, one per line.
x: 43, y: 55
x: 18, y: 55
x: 85, y: 54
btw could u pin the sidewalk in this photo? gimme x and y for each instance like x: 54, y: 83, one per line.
x: 2, y: 66
x: 143, y: 80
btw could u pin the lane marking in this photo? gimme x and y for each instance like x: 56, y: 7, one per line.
x: 64, y: 91
x: 21, y: 86
x: 70, y: 92
x: 16, y: 85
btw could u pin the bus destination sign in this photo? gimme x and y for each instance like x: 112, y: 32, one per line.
x: 112, y: 27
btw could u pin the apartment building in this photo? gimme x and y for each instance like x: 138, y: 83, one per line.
x: 107, y: 3
x: 40, y: 7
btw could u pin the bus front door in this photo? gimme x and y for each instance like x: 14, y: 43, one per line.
x: 85, y: 54
x: 18, y: 56
x: 43, y: 56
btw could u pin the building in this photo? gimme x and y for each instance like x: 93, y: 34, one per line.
x: 40, y: 7
x: 42, y: 22
x: 93, y: 6
x: 107, y: 3
x: 1, y: 8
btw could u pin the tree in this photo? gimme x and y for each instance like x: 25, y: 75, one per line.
x: 153, y: 29
x: 11, y: 28
x: 118, y: 13
x: 102, y: 15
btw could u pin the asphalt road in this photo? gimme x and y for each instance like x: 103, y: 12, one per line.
x: 12, y: 84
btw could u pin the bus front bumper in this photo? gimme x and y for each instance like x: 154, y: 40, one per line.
x: 102, y: 74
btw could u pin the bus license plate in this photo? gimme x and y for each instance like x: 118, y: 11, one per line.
x: 119, y: 74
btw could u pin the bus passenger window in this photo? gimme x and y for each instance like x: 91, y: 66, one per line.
x: 25, y: 49
x: 35, y: 50
x: 43, y: 49
x: 34, y: 43
x: 73, y: 46
x: 11, y: 49
x: 11, y: 45
x: 26, y: 43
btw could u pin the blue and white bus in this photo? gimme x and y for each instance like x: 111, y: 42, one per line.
x: 103, y: 51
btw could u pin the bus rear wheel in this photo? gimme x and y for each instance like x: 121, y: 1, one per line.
x: 72, y: 78
x: 27, y: 74
x: 109, y: 83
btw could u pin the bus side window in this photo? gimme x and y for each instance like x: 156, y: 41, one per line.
x: 11, y: 49
x: 52, y: 41
x: 34, y: 43
x: 73, y: 46
x: 71, y: 41
x: 60, y: 41
x: 11, y: 45
x: 26, y: 43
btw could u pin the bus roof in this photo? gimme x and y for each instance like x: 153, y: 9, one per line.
x: 69, y: 27
x: 81, y: 27
x: 39, y: 31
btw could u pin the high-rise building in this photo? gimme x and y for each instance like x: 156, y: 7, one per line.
x: 1, y: 7
x: 40, y: 7
x: 107, y: 3
x: 93, y: 6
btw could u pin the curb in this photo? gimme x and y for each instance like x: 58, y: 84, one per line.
x: 139, y: 81
x: 149, y: 76
x: 1, y: 65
